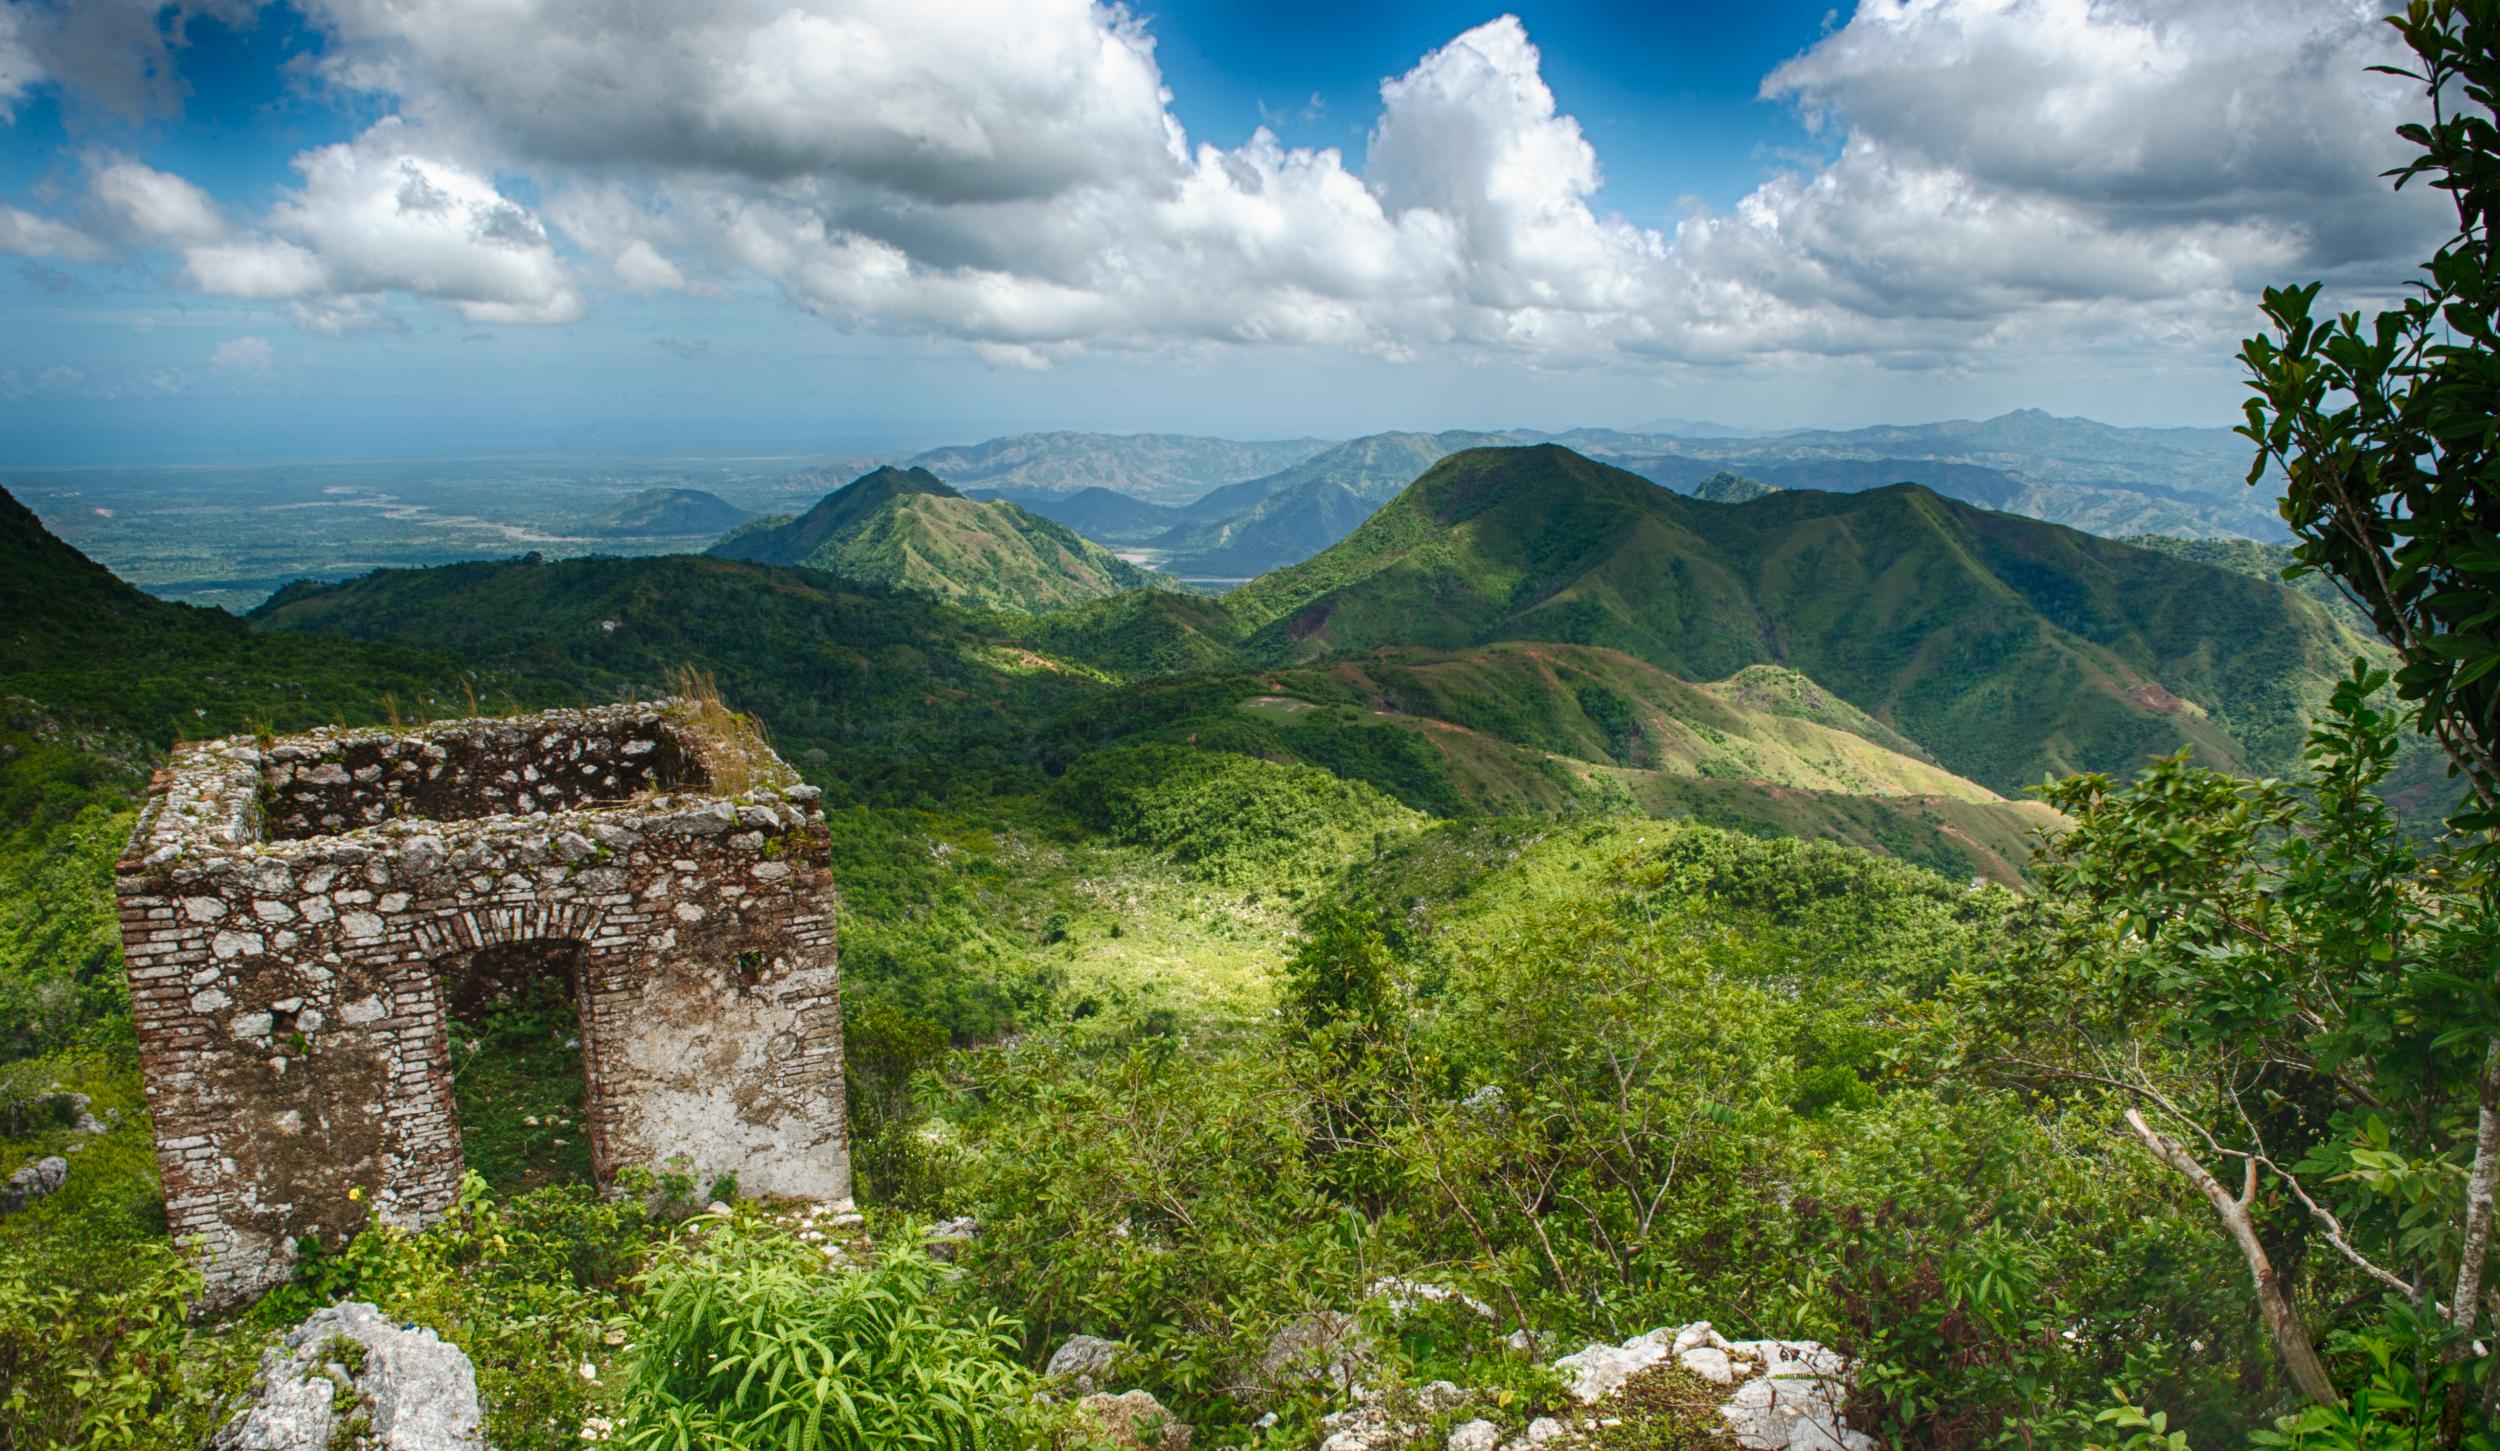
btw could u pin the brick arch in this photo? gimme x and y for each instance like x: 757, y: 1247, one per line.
x: 510, y: 925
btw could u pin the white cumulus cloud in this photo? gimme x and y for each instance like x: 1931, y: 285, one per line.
x: 375, y: 217
x: 2000, y: 180
x: 154, y: 206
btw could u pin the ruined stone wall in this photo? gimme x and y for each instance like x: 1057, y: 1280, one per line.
x: 288, y: 989
x: 462, y: 770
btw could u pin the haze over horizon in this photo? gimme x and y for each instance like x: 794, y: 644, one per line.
x: 338, y: 227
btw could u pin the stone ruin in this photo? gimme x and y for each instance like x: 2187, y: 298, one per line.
x: 302, y: 916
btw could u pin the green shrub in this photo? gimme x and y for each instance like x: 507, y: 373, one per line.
x: 747, y: 1340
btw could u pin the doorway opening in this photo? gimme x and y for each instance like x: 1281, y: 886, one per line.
x: 517, y: 1082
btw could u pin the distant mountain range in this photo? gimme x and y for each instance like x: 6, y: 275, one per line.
x: 1104, y: 515
x: 905, y: 529
x: 670, y: 514
x: 1523, y: 629
x: 1263, y: 524
x: 1161, y: 468
x: 2117, y: 482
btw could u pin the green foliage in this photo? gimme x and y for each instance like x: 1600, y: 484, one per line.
x: 96, y: 1344
x: 2386, y: 432
x: 745, y: 1339
x: 1232, y: 819
x: 518, y: 1091
x: 98, y: 1358
x: 1163, y: 1198
x: 2317, y: 983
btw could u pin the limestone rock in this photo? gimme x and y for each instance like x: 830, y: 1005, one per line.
x: 1598, y: 1371
x: 1084, y: 1360
x: 947, y: 1237
x: 38, y: 1180
x: 1789, y: 1395
x: 1137, y: 1420
x: 348, y: 1377
x: 1326, y: 1345
x: 1478, y: 1435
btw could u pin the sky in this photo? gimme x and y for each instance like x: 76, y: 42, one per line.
x: 234, y: 231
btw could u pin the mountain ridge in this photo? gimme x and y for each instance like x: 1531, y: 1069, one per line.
x: 1903, y: 602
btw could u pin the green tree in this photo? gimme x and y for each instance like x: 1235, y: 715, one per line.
x: 2326, y: 988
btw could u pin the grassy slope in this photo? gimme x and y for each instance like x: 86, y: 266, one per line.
x: 1541, y: 730
x: 2008, y: 648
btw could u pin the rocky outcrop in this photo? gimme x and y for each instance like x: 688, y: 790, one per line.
x: 1781, y: 1395
x: 348, y: 1378
x: 1786, y: 1393
x: 38, y: 1180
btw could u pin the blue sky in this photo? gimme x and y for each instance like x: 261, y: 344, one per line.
x: 260, y: 232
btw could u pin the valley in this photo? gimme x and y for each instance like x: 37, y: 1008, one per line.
x: 1055, y: 726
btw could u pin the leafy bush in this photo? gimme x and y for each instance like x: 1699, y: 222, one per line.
x: 747, y: 1341
x: 93, y: 1350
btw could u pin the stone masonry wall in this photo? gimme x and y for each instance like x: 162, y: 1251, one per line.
x: 288, y: 987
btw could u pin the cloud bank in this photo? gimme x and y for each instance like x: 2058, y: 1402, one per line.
x: 2003, y: 179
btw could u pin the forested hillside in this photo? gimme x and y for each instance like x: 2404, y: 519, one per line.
x: 2008, y: 648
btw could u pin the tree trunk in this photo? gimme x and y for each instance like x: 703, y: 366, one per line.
x: 2465, y: 1303
x: 2480, y: 1182
x: 2283, y: 1322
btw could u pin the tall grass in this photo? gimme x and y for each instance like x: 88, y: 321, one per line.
x: 737, y: 756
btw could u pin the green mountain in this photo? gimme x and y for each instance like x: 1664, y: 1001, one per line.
x: 1250, y: 528
x: 905, y: 529
x: 1725, y: 487
x: 1105, y: 516
x: 89, y: 656
x: 1535, y: 729
x: 670, y: 514
x: 891, y: 694
x: 2009, y: 649
x: 1162, y: 468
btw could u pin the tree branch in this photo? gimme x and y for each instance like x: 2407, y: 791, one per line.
x: 2291, y: 1337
